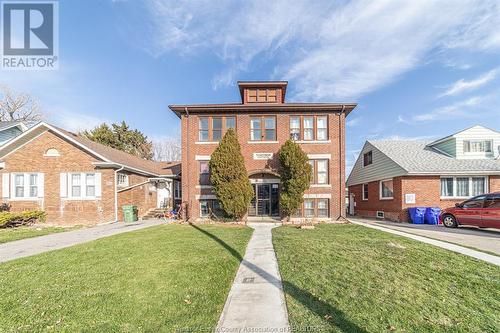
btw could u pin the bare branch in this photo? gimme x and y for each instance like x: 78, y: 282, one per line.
x: 167, y: 150
x: 18, y: 106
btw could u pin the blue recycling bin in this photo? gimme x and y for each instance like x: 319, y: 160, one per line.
x: 431, y: 215
x: 417, y: 214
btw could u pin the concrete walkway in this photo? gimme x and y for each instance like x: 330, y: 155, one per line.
x: 31, y: 246
x: 256, y: 302
x: 492, y: 259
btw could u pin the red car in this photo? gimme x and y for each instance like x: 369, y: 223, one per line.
x: 481, y: 211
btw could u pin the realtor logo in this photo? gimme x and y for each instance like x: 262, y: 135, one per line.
x: 29, y: 35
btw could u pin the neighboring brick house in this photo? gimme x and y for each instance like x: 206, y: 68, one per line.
x: 263, y: 122
x: 78, y: 181
x: 391, y: 175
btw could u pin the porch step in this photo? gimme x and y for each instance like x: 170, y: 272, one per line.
x: 153, y: 213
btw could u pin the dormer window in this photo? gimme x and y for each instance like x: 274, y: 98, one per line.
x: 262, y: 95
x: 478, y: 146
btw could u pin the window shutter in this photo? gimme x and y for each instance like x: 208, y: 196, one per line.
x: 466, y: 146
x: 63, y: 185
x: 98, y: 184
x: 40, y: 185
x: 5, y: 185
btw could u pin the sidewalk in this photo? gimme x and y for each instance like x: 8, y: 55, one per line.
x: 495, y: 260
x: 31, y: 246
x: 256, y: 302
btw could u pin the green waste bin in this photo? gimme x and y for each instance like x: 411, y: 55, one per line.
x: 129, y: 213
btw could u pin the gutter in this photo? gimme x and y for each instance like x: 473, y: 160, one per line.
x: 342, y: 167
x: 116, y: 192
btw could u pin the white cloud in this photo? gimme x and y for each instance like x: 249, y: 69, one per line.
x: 330, y: 50
x: 463, y: 85
x: 464, y: 109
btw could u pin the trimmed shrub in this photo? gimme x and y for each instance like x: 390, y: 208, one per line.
x: 296, y: 175
x: 16, y: 219
x: 229, y: 177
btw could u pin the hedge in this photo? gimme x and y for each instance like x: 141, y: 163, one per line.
x: 15, y: 219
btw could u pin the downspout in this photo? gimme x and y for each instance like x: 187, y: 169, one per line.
x: 341, y: 179
x: 116, y: 191
x: 187, y: 165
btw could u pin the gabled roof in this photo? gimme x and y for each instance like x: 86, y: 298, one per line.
x: 416, y: 157
x: 456, y: 133
x: 5, y: 125
x: 109, y: 156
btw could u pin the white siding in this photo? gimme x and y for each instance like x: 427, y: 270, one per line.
x: 381, y: 168
x: 477, y: 133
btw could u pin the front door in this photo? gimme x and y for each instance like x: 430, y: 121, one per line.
x: 265, y: 201
x: 162, y: 193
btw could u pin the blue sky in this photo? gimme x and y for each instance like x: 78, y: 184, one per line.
x: 417, y: 69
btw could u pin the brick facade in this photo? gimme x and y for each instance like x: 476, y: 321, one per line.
x: 426, y: 188
x: 31, y: 157
x: 192, y: 148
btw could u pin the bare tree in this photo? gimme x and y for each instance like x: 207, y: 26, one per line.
x: 167, y: 150
x: 18, y: 106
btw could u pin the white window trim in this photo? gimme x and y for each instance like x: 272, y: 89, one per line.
x: 380, y: 189
x: 206, y: 143
x: 125, y: 184
x: 479, y: 152
x: 455, y: 196
x: 179, y: 188
x: 26, y: 186
x: 363, y: 192
x: 83, y: 186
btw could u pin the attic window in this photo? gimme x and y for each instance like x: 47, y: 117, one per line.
x: 52, y: 152
x: 367, y: 158
x: 262, y: 95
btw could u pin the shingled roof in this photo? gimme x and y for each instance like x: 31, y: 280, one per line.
x: 416, y: 157
x: 106, y: 154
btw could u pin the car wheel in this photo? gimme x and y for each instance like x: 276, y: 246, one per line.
x: 450, y: 221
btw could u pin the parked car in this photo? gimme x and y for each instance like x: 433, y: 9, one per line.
x: 481, y: 211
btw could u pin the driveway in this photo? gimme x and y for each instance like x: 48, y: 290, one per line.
x: 31, y: 246
x: 487, y: 240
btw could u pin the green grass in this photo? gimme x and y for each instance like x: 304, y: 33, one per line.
x: 348, y: 278
x: 157, y: 279
x: 12, y: 234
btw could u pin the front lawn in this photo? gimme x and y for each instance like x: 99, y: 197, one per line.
x: 348, y: 278
x: 12, y: 234
x: 158, y: 279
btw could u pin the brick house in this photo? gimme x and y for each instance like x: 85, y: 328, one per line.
x: 390, y: 176
x: 78, y: 181
x: 263, y: 122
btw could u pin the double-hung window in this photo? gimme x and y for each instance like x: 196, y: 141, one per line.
x: 83, y: 185
x: 478, y: 146
x: 386, y: 189
x: 213, y: 128
x: 309, y: 128
x: 309, y: 208
x: 463, y: 187
x: 204, y: 173
x: 365, y: 192
x: 263, y: 128
x: 19, y: 186
x: 314, y: 208
x: 26, y: 185
x: 320, y: 171
x: 322, y: 208
x: 295, y: 128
